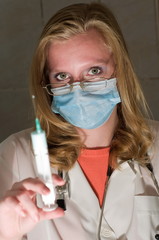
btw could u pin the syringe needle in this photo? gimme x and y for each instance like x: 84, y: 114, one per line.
x: 34, y: 104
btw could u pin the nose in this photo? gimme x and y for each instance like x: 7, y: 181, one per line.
x: 76, y: 83
x: 76, y: 80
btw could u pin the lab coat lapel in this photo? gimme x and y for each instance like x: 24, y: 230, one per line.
x: 82, y: 193
x: 120, y: 198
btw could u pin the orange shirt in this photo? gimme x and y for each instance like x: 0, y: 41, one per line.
x: 94, y: 163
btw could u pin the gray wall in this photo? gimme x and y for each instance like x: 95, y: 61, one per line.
x: 21, y: 22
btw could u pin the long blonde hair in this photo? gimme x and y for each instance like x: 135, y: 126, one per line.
x: 132, y: 137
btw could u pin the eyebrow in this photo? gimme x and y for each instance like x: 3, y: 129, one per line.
x: 89, y: 65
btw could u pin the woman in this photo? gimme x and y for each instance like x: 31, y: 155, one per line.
x: 91, y: 106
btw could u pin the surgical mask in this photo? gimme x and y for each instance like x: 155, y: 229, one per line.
x: 86, y: 108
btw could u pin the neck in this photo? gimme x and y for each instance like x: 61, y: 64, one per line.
x: 101, y: 136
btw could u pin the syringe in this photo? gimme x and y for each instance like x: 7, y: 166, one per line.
x: 40, y: 149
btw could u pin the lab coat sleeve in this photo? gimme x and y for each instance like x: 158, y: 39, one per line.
x: 16, y: 160
x: 9, y: 171
x: 12, y: 156
x: 154, y: 152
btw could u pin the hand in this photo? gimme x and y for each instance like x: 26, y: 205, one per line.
x: 18, y: 211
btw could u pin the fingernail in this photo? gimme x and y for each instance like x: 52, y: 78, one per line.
x: 46, y: 190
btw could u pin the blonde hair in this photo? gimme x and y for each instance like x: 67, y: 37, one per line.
x: 132, y: 137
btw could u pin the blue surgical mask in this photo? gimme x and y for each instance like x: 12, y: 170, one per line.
x: 87, y: 108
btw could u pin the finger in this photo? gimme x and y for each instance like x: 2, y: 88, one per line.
x: 11, y: 202
x: 57, y: 180
x: 18, y: 198
x: 33, y: 184
x: 16, y: 192
x: 58, y: 212
x: 28, y: 205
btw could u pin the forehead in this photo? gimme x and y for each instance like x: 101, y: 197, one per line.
x: 85, y: 47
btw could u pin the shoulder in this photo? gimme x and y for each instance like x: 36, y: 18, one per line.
x: 22, y: 135
x: 15, y: 160
x: 20, y: 138
x: 154, y: 150
x: 154, y: 126
x: 16, y: 154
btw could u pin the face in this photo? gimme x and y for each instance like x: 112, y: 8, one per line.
x: 82, y: 57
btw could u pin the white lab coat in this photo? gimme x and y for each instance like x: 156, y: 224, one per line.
x: 131, y: 209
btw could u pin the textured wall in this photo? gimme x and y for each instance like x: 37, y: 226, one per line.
x: 21, y: 22
x: 140, y: 25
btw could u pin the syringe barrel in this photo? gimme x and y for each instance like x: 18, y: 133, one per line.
x: 40, y: 149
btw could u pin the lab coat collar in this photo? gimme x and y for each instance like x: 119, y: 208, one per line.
x: 82, y: 193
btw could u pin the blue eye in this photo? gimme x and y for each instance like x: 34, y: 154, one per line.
x: 94, y: 71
